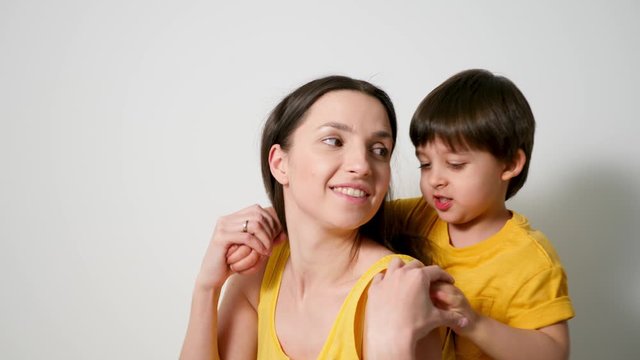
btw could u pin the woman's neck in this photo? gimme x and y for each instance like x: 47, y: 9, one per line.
x: 321, y: 258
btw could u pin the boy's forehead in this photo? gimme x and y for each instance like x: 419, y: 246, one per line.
x: 442, y: 146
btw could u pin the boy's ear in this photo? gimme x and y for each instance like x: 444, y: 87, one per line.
x: 514, y: 168
x: 278, y: 164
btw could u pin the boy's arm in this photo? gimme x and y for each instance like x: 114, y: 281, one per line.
x: 501, y: 341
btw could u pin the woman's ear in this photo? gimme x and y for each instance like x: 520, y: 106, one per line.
x: 278, y: 164
x: 514, y: 168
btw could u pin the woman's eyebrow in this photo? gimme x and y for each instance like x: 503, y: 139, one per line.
x: 340, y: 126
x: 336, y: 125
x: 383, y: 134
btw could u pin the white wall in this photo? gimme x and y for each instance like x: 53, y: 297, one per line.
x: 128, y: 127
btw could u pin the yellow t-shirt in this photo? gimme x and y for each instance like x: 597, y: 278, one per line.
x: 345, y: 338
x: 515, y: 276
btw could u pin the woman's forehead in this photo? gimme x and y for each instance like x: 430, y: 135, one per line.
x: 347, y: 108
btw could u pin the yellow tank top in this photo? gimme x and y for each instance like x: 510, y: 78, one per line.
x: 345, y: 338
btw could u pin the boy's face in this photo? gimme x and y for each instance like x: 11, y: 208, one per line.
x: 465, y: 187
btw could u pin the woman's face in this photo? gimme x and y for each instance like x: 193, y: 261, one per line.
x: 336, y: 171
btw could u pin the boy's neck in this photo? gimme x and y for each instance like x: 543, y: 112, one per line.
x: 478, y: 230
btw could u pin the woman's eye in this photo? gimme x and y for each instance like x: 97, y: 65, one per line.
x: 380, y: 151
x: 332, y: 141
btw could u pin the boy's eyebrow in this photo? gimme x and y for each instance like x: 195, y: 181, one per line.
x: 448, y: 151
x: 340, y: 126
x: 419, y: 153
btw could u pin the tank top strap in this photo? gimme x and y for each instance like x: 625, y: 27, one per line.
x: 349, y: 324
x: 377, y: 267
x: 268, y: 343
x: 274, y: 269
x: 345, y: 338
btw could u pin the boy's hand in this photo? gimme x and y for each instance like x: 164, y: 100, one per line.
x: 448, y: 297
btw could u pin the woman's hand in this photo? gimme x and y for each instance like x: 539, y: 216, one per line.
x: 399, y: 309
x: 244, y: 260
x: 245, y: 237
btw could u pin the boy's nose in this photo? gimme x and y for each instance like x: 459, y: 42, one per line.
x: 436, y: 179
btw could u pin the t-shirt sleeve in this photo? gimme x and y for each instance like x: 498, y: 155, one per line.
x: 401, y: 209
x: 542, y: 301
x: 408, y: 221
x: 413, y: 215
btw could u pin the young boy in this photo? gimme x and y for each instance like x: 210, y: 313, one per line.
x: 473, y: 136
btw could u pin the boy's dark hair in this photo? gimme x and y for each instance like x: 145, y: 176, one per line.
x: 477, y: 110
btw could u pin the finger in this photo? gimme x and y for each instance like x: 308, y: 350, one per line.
x: 452, y: 319
x: 258, y: 221
x: 436, y: 291
x: 439, y: 304
x: 272, y: 213
x: 261, y: 232
x: 441, y: 287
x: 231, y: 249
x: 282, y: 237
x: 413, y: 264
x: 268, y: 220
x: 254, y: 268
x: 271, y: 218
x: 377, y: 278
x: 240, y: 252
x: 435, y: 273
x: 258, y: 226
x: 442, y: 300
x: 246, y: 263
x: 394, y: 265
x: 251, y: 241
x: 451, y: 299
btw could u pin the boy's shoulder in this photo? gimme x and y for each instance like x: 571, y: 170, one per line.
x: 529, y: 241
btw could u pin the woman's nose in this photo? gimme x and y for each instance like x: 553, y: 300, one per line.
x: 358, y: 161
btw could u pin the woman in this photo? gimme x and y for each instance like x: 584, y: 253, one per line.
x: 325, y: 155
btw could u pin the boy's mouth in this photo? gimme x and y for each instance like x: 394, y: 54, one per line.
x: 442, y: 203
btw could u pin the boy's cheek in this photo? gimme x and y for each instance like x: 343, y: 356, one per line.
x: 426, y: 195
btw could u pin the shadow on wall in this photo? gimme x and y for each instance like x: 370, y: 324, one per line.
x: 592, y: 220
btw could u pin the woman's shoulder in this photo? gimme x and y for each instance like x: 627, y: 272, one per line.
x: 372, y: 253
x: 247, y: 285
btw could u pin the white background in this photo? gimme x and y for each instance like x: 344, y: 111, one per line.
x: 128, y: 127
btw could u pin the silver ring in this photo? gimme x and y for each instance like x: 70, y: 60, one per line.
x: 244, y: 227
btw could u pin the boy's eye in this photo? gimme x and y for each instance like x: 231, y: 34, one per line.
x: 332, y: 141
x: 425, y: 165
x: 456, y: 166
